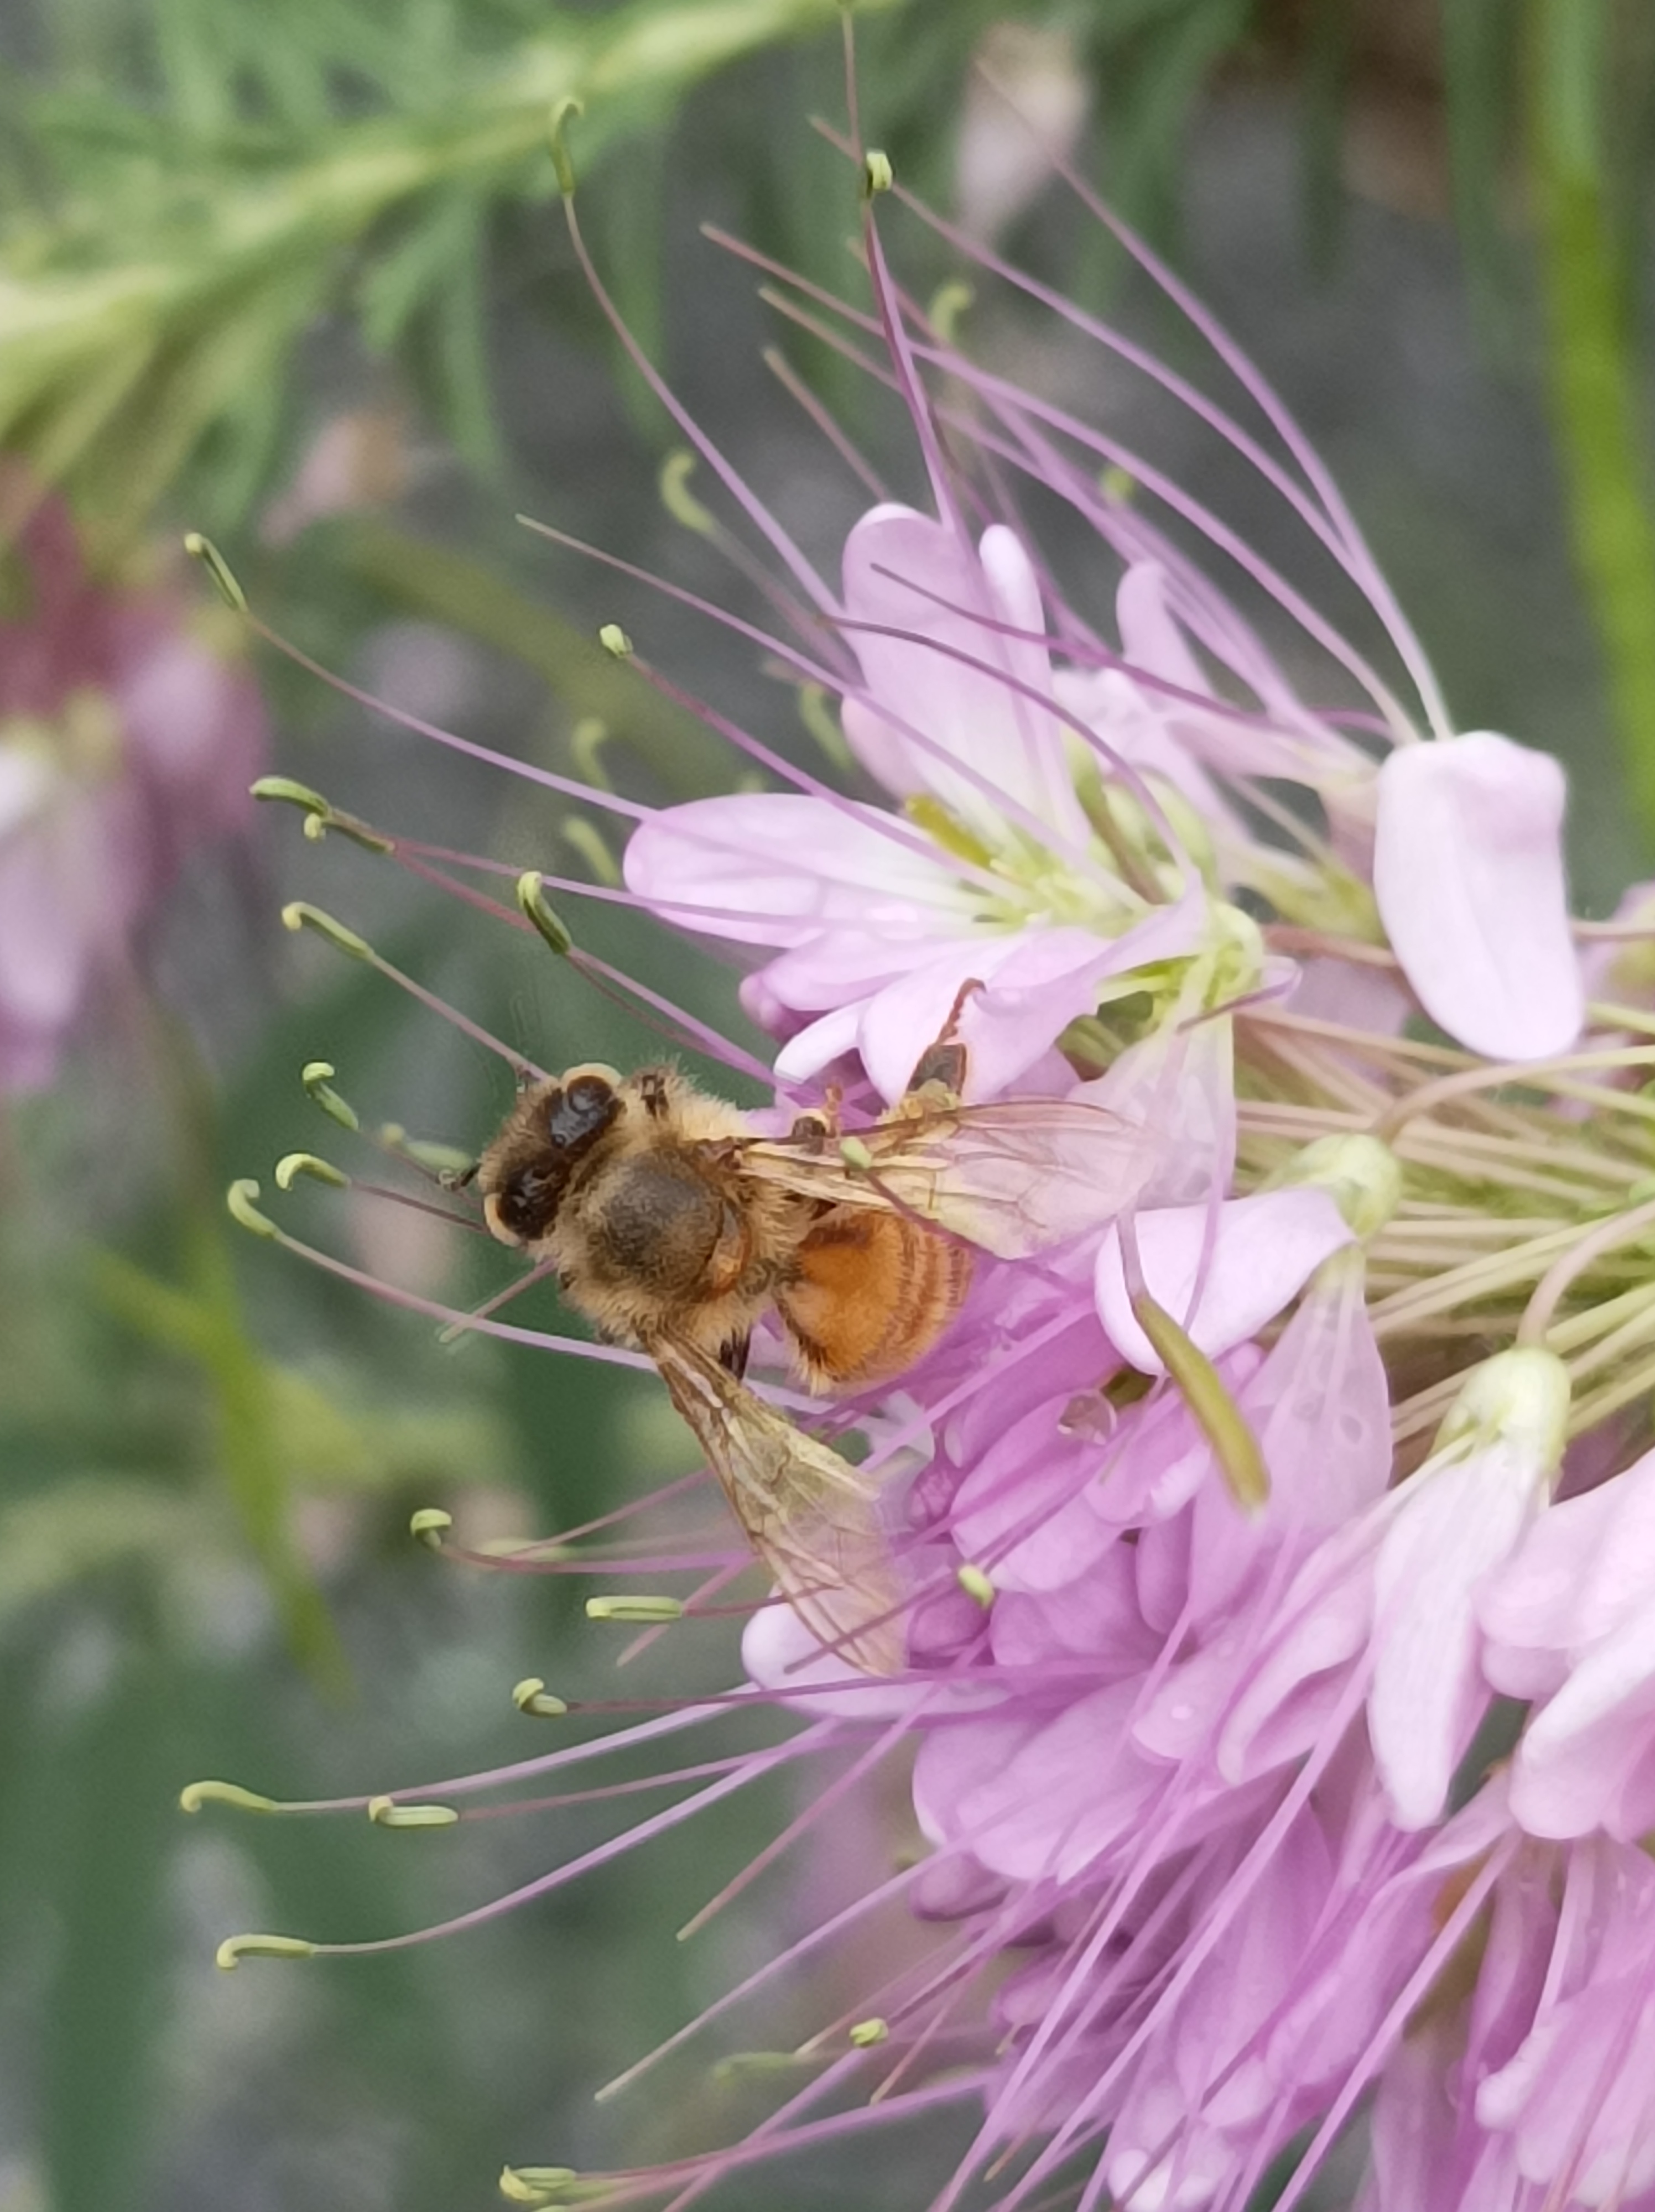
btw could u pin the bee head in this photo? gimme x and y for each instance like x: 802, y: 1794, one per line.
x: 526, y: 1170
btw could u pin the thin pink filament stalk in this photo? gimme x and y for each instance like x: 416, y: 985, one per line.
x: 1389, y: 2030
x: 1012, y: 402
x: 797, y: 390
x: 734, y: 483
x: 872, y: 1756
x: 658, y: 1824
x: 403, y: 721
x: 826, y: 1932
x: 613, y: 983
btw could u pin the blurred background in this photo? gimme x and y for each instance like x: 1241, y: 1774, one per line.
x: 295, y: 275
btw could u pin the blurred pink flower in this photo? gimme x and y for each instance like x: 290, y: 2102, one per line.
x: 123, y: 743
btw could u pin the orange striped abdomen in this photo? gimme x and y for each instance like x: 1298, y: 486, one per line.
x: 868, y: 1293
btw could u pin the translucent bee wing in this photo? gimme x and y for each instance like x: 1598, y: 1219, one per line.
x: 811, y: 1518
x: 1013, y: 1176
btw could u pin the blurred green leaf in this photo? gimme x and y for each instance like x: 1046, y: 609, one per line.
x: 1595, y: 387
x: 156, y: 288
x: 84, y: 1526
x: 98, y: 2053
x: 1480, y: 44
x: 420, y: 577
x: 249, y: 1447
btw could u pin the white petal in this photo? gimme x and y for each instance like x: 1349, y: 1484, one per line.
x: 1468, y: 871
x: 1220, y: 1273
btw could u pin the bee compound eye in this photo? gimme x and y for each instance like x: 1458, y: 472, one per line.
x: 579, y: 1111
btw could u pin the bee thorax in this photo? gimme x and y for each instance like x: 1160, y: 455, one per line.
x: 657, y: 1226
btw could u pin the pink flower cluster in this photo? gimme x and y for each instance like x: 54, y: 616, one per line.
x: 123, y: 743
x: 1232, y: 1781
x: 1278, y: 1541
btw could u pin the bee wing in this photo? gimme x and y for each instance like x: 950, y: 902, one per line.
x: 810, y: 1516
x: 1011, y: 1176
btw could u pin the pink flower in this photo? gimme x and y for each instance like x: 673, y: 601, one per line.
x: 1394, y: 1592
x: 123, y: 743
x: 1536, y: 2090
x: 995, y: 882
x: 1221, y: 1277
x: 1193, y: 1645
x: 1571, y: 1622
x: 1468, y: 870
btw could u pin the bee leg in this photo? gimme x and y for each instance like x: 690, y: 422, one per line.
x: 818, y: 1127
x: 941, y: 1065
x: 733, y: 1355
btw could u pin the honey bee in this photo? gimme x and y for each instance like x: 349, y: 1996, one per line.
x: 675, y: 1228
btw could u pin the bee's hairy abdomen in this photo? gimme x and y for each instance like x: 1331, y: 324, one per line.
x: 868, y: 1294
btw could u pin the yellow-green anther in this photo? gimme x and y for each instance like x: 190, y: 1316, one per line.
x: 294, y: 794
x: 1117, y: 485
x: 292, y: 1165
x: 1362, y: 1175
x: 878, y: 176
x: 203, y: 549
x: 195, y: 1794
x: 299, y: 914
x: 679, y: 500
x: 440, y: 1160
x: 976, y: 1585
x: 428, y: 1526
x: 535, y: 2184
x: 854, y: 1154
x: 944, y: 825
x: 1216, y: 1412
x: 539, y: 909
x: 743, y: 2065
x: 320, y: 816
x: 232, y: 1951
x: 548, y: 2186
x: 385, y: 1812
x: 589, y: 843
x: 566, y: 107
x: 615, y: 642
x: 348, y: 825
x: 316, y: 1075
x: 868, y: 2032
x: 532, y: 1696
x: 240, y: 1198
x: 948, y: 303
x: 586, y: 742
x: 640, y: 1606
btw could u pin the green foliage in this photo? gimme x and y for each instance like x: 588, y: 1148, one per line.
x: 1596, y: 383
x: 164, y: 253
